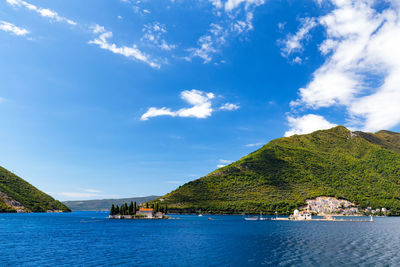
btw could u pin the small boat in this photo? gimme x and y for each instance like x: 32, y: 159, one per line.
x: 251, y: 218
x: 209, y: 218
x: 200, y: 215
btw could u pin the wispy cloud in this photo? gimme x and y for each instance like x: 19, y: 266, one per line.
x: 229, y: 106
x: 11, y: 28
x: 83, y: 194
x: 130, y: 52
x: 154, y: 35
x: 44, y: 12
x: 255, y: 144
x: 234, y: 18
x: 201, y: 106
x: 294, y: 42
x: 223, y: 163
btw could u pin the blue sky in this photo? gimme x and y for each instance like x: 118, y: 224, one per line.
x: 102, y: 99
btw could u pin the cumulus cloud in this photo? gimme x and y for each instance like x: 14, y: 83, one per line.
x: 44, y: 12
x: 307, y: 124
x: 200, y: 106
x: 361, y: 71
x: 130, y: 52
x: 11, y: 28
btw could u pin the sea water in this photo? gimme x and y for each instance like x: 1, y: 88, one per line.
x: 90, y: 239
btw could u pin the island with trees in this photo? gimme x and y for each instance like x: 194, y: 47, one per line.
x: 134, y: 211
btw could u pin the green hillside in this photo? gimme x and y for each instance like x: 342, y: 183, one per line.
x: 104, y: 204
x: 16, y: 193
x: 280, y: 176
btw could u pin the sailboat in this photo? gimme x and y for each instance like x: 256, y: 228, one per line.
x: 200, y: 215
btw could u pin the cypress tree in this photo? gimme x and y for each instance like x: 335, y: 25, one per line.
x: 134, y: 208
x: 147, y: 205
x: 112, y: 211
x: 156, y: 207
x: 131, y: 208
x: 117, y: 211
x: 166, y: 209
x: 126, y: 208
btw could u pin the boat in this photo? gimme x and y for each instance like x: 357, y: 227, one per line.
x: 251, y: 218
x: 200, y: 215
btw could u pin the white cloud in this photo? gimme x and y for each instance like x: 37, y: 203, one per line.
x: 361, y: 71
x: 153, y: 34
x: 129, y: 52
x: 209, y: 43
x: 307, y: 124
x: 44, y: 12
x: 11, y: 28
x: 89, y: 190
x: 229, y: 106
x: 223, y: 163
x: 232, y: 4
x: 293, y: 42
x: 201, y: 106
x: 235, y: 19
x: 81, y: 194
x: 255, y: 144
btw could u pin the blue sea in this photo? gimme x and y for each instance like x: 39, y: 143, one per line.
x: 89, y: 239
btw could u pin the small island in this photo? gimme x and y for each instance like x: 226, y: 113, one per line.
x: 133, y: 211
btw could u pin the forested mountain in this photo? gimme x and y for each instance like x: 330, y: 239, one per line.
x: 17, y: 195
x: 361, y: 167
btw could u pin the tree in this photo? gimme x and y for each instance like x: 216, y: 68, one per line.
x: 134, y: 208
x: 117, y: 211
x: 124, y: 209
x: 112, y: 211
x: 156, y: 207
x: 147, y: 205
x: 166, y: 209
x: 131, y: 208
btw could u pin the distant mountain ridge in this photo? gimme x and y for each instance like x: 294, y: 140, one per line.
x: 361, y: 167
x: 17, y: 195
x: 104, y: 204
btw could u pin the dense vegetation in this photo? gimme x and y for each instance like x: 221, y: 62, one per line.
x: 30, y: 197
x: 104, y: 204
x: 359, y: 167
x: 132, y: 208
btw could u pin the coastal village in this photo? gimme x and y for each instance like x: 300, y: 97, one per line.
x: 328, y: 207
x: 333, y: 206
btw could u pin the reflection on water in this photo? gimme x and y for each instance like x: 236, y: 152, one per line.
x: 88, y: 239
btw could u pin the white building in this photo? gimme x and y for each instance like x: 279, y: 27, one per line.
x: 149, y: 213
x: 301, y: 216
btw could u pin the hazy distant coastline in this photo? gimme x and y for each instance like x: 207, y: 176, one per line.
x: 104, y: 204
